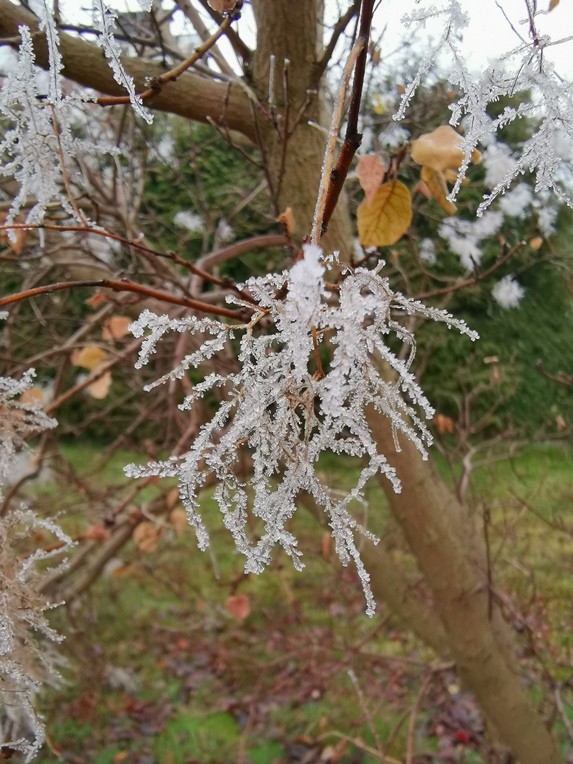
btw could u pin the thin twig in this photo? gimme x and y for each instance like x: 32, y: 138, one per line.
x: 352, y: 138
x: 121, y: 286
x: 158, y: 83
x: 411, y: 740
x: 327, y: 167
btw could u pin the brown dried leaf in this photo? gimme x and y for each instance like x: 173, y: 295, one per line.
x: 370, y: 170
x: 552, y: 4
x: 436, y: 183
x: 238, y: 606
x: 560, y: 423
x: 536, y: 243
x: 178, y: 519
x: 171, y: 498
x: 99, y: 388
x: 33, y: 396
x: 96, y: 299
x: 388, y: 218
x: 287, y: 219
x: 89, y: 357
x: 221, y: 6
x: 443, y: 424
x: 18, y: 240
x: 146, y: 536
x: 96, y: 533
x: 115, y: 328
x: 440, y: 149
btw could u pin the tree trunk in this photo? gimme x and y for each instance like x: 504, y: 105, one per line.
x: 441, y: 537
x: 293, y: 150
x: 436, y: 527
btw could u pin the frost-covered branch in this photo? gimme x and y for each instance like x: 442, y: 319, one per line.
x: 546, y: 99
x: 27, y: 657
x: 286, y: 411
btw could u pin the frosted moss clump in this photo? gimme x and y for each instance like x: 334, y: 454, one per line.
x: 285, y: 408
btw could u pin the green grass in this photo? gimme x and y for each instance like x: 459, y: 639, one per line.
x: 207, y: 688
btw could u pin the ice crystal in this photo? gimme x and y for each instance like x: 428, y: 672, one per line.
x: 286, y: 408
x: 547, y: 102
x: 17, y: 420
x: 465, y: 236
x: 105, y: 20
x: 189, y: 220
x: 38, y: 149
x: 25, y: 635
x: 507, y: 293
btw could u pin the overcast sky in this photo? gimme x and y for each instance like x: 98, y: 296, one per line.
x: 489, y: 34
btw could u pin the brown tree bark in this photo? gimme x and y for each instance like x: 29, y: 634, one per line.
x: 443, y: 540
x: 190, y: 96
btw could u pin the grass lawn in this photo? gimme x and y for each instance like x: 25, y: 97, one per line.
x: 163, y: 669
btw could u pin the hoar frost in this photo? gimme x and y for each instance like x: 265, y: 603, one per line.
x: 27, y: 657
x: 285, y: 407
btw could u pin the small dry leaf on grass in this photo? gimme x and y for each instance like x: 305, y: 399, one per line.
x: 444, y: 424
x: 238, y: 605
x: 178, y: 519
x: 146, y: 536
x: 96, y: 533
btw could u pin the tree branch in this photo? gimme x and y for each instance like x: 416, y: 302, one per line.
x: 121, y: 286
x: 241, y: 49
x: 337, y: 30
x: 158, y: 83
x: 191, y: 96
x: 352, y: 138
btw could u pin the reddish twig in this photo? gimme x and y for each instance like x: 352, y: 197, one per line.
x: 352, y: 138
x: 121, y: 286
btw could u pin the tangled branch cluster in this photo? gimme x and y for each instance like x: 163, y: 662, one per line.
x: 285, y: 410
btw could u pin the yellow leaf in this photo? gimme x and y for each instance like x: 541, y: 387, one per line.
x: 536, y: 243
x: 436, y: 183
x: 553, y: 4
x: 377, y: 105
x: 100, y: 387
x: 89, y: 357
x: 370, y: 170
x: 387, y: 218
x: 440, y: 149
x: 115, y: 328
